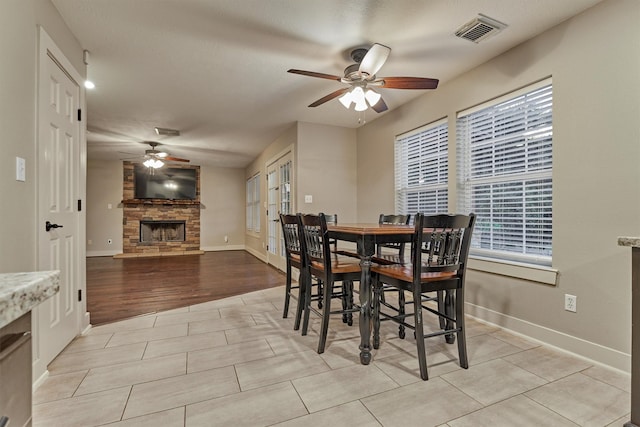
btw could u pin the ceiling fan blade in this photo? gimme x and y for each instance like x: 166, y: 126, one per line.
x: 329, y: 97
x: 175, y: 159
x: 380, y: 106
x: 374, y: 59
x: 409, y: 83
x: 314, y: 74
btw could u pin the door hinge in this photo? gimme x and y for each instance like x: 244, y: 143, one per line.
x: 79, y: 115
x: 79, y: 295
x: 79, y: 205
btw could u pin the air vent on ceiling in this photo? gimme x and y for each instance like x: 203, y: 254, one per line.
x: 167, y: 131
x: 480, y: 28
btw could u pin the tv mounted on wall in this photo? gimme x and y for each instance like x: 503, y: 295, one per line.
x: 165, y: 183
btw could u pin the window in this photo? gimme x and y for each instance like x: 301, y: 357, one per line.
x: 253, y: 203
x: 421, y: 165
x: 505, y: 174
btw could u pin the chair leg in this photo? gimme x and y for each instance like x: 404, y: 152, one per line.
x: 419, y: 332
x: 344, y: 298
x: 307, y: 303
x: 347, y: 289
x: 401, y: 312
x: 378, y: 295
x: 320, y: 287
x: 441, y: 309
x: 462, y: 339
x: 328, y: 285
x: 302, y: 286
x: 287, y: 292
x: 449, y: 305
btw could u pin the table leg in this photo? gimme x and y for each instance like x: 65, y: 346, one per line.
x: 365, y: 310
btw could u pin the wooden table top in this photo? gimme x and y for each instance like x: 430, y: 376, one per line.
x: 371, y: 228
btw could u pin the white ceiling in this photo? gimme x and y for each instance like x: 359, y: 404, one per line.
x: 216, y: 69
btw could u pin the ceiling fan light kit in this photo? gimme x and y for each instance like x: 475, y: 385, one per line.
x: 362, y: 74
x: 155, y: 159
x: 153, y: 163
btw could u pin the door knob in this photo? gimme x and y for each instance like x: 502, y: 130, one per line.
x: 48, y: 226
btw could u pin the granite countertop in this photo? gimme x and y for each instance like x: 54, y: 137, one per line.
x: 629, y: 241
x: 20, y: 292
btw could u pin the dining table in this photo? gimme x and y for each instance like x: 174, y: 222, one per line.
x: 367, y: 236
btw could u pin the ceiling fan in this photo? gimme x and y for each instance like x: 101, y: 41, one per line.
x: 362, y: 75
x: 156, y: 158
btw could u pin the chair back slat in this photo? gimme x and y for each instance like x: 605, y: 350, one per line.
x: 441, y: 243
x: 290, y: 233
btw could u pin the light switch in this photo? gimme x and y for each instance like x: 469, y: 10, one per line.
x: 21, y: 169
x: 109, y: 206
x: 308, y: 198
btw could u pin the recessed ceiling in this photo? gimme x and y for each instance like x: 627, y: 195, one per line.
x: 216, y: 69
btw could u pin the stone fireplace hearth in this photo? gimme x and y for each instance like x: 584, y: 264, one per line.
x: 155, y: 227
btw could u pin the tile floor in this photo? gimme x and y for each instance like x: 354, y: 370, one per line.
x: 236, y: 362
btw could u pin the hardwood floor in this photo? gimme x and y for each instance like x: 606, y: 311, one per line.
x: 122, y: 288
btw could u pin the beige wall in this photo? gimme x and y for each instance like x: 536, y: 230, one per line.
x: 593, y: 59
x: 326, y: 159
x: 104, y: 188
x: 18, y: 50
x: 222, y: 196
x: 223, y: 202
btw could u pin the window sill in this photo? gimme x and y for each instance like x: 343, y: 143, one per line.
x: 531, y: 272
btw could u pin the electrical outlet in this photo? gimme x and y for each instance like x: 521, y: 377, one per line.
x: 570, y: 302
x: 109, y: 241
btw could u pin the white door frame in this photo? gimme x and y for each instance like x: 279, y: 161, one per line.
x: 48, y: 49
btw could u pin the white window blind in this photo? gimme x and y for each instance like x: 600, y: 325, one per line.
x: 505, y: 174
x: 253, y: 203
x: 421, y: 165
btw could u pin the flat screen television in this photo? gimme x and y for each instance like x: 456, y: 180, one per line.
x: 165, y: 183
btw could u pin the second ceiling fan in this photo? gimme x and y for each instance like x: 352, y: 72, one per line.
x: 362, y: 75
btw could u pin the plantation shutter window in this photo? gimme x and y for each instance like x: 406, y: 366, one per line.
x: 504, y: 156
x: 421, y: 170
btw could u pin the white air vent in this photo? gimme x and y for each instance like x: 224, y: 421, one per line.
x: 480, y: 28
x: 167, y: 131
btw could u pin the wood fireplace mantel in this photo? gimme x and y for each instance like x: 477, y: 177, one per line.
x: 164, y: 202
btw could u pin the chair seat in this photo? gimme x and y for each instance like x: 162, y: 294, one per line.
x: 405, y: 273
x: 340, y: 264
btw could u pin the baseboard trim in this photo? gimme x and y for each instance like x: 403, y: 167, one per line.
x: 39, y: 381
x: 102, y: 253
x: 577, y: 346
x: 223, y: 248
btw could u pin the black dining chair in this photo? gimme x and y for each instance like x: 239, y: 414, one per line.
x: 329, y: 268
x: 439, y: 253
x: 389, y: 254
x: 295, y: 259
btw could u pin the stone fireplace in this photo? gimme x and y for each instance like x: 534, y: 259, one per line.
x: 155, y: 227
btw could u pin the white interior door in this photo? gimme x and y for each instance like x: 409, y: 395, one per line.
x: 57, y: 321
x: 279, y: 200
